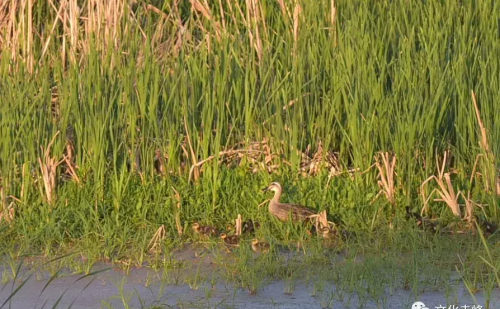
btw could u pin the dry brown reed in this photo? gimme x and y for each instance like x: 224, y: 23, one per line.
x: 158, y: 237
x: 7, y: 212
x: 386, y: 164
x: 178, y: 222
x: 489, y: 172
x: 256, y: 25
x: 445, y: 189
x: 238, y: 227
x: 48, y: 168
x: 82, y: 24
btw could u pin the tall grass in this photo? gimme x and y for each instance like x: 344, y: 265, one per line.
x: 142, y: 92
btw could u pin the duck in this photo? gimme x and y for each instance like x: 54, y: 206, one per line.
x: 410, y: 214
x: 413, y: 215
x: 327, y: 232
x: 250, y: 226
x: 230, y: 240
x: 330, y: 238
x: 487, y: 227
x: 283, y: 211
x: 422, y: 222
x: 205, y: 230
x: 260, y: 246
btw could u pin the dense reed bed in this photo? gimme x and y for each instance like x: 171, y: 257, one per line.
x: 117, y: 117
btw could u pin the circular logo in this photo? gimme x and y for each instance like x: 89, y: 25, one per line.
x: 418, y: 305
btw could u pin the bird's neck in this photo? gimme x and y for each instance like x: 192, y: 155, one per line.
x: 277, y: 195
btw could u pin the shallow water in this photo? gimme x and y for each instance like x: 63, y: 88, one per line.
x: 142, y: 288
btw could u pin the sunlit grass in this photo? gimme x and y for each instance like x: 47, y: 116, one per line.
x: 155, y: 110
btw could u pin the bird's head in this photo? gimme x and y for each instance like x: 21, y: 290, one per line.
x: 275, y: 187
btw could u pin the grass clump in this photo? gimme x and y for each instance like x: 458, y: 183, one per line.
x: 123, y: 122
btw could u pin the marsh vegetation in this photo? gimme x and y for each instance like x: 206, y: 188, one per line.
x: 123, y: 122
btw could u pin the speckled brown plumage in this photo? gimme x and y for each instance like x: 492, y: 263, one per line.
x: 230, y: 240
x: 260, y: 246
x: 204, y: 230
x: 283, y: 211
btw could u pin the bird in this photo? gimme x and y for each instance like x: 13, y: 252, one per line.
x: 330, y: 237
x: 487, y: 227
x: 260, y: 246
x: 413, y: 215
x: 231, y: 240
x: 410, y: 214
x: 327, y: 232
x: 204, y: 230
x: 282, y: 211
x: 250, y: 226
x: 422, y: 223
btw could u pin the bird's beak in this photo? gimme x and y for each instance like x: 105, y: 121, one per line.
x: 265, y: 189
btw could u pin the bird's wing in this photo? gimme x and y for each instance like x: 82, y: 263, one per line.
x: 301, y: 211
